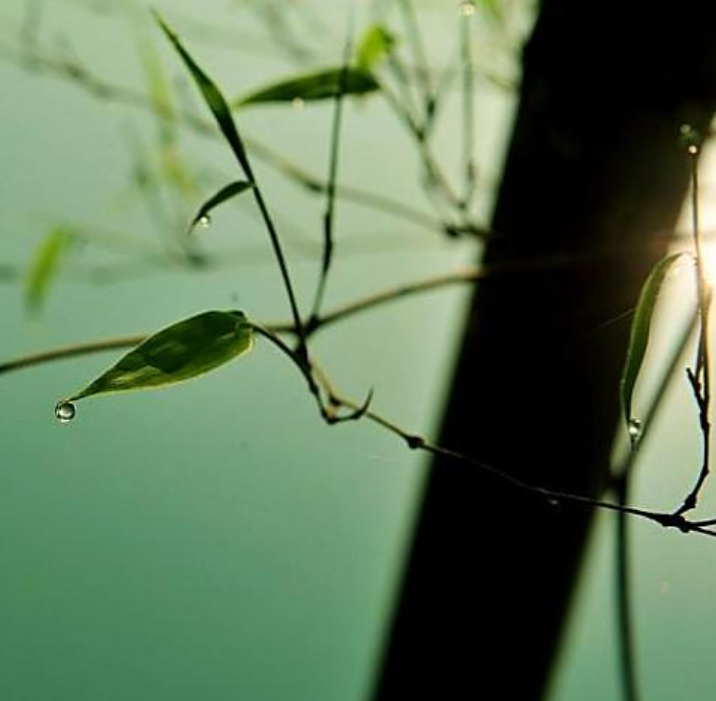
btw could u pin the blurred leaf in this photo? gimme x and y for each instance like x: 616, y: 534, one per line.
x: 319, y: 85
x: 226, y: 193
x: 160, y: 93
x: 375, y: 44
x: 159, y: 90
x: 213, y: 98
x: 45, y: 265
x: 180, y: 352
x: 640, y: 328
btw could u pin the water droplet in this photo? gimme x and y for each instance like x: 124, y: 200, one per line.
x: 634, y: 430
x: 691, y: 139
x: 297, y: 103
x: 467, y: 8
x: 65, y: 412
x: 204, y: 222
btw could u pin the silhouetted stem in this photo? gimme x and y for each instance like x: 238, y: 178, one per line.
x: 700, y: 378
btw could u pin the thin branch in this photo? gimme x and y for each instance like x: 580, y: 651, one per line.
x: 417, y: 442
x: 468, y: 94
x: 329, y: 214
x: 700, y: 378
x: 71, y: 351
x: 420, y: 56
x: 624, y: 608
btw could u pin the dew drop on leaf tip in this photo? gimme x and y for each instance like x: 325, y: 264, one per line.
x: 204, y: 221
x: 634, y: 429
x: 65, y: 412
x: 691, y: 139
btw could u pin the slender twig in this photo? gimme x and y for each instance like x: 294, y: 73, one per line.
x: 403, y: 83
x: 435, y: 180
x: 71, y: 351
x: 468, y: 127
x: 700, y: 377
x: 329, y: 213
x: 420, y: 56
x: 624, y: 608
x: 417, y: 442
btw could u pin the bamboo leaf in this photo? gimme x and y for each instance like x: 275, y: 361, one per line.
x: 319, y: 85
x: 640, y: 329
x: 226, y: 193
x: 375, y: 44
x: 45, y: 265
x: 213, y: 98
x: 179, y: 352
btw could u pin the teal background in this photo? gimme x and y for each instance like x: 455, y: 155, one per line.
x: 216, y: 540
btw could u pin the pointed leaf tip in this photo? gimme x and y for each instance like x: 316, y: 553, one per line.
x: 226, y: 193
x: 213, y: 98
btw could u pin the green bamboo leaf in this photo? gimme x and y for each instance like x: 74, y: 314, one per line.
x: 639, y: 335
x: 213, y: 98
x: 375, y: 44
x: 320, y: 85
x: 226, y: 193
x: 180, y: 352
x: 45, y: 265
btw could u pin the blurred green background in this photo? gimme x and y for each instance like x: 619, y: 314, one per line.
x: 216, y: 540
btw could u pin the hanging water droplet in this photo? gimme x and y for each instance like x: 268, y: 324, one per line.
x: 297, y: 103
x: 634, y: 429
x: 204, y: 221
x: 467, y: 8
x: 691, y: 139
x: 65, y: 412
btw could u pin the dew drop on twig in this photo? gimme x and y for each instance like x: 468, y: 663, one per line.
x: 65, y: 412
x: 204, y: 222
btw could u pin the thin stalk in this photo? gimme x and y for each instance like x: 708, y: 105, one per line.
x: 700, y: 377
x: 420, y: 56
x: 329, y: 214
x: 436, y: 182
x: 468, y: 127
x: 624, y: 607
